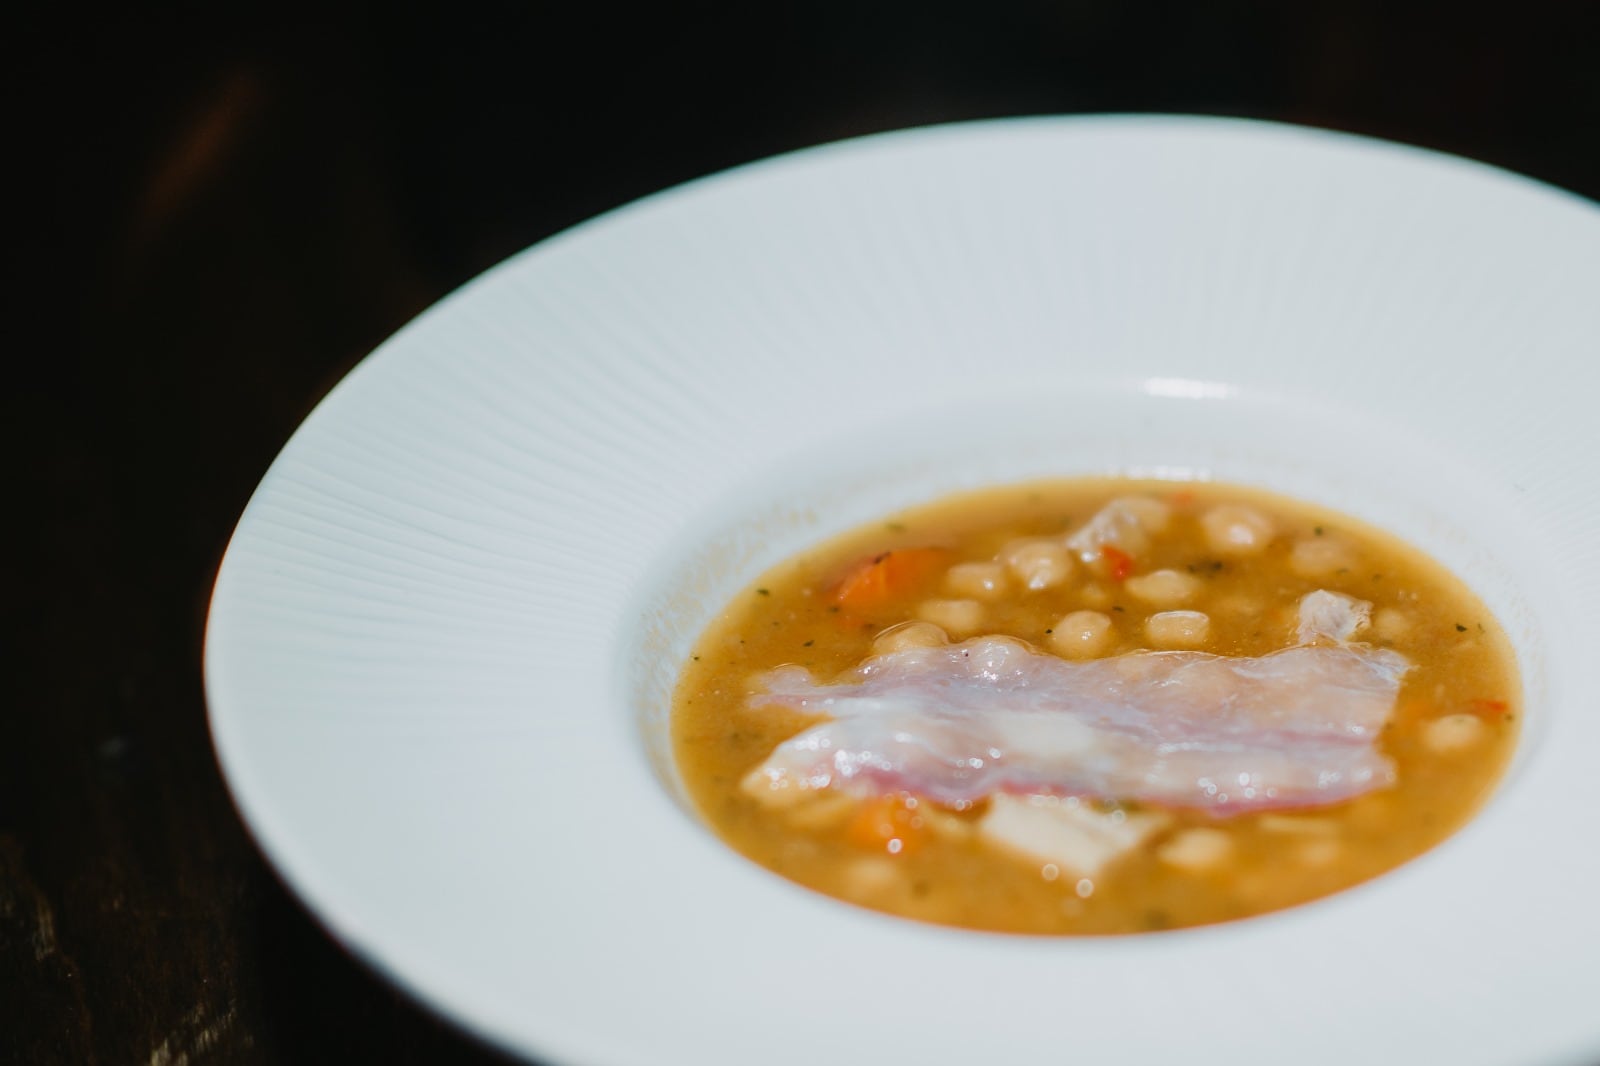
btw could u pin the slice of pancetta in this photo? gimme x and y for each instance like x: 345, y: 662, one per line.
x: 1294, y: 728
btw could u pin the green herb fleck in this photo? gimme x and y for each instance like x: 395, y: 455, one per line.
x: 764, y: 592
x: 1460, y: 628
x: 1317, y: 530
x: 808, y: 644
x: 895, y: 527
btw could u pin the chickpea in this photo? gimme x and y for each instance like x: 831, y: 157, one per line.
x: 954, y: 616
x: 976, y: 581
x: 1041, y: 563
x: 1320, y: 557
x: 1096, y: 596
x: 1082, y: 635
x: 1234, y: 529
x: 1453, y: 732
x: 1319, y: 852
x: 1163, y: 588
x: 1178, y: 629
x: 1391, y: 623
x: 909, y: 635
x: 1197, y: 849
x: 1153, y: 514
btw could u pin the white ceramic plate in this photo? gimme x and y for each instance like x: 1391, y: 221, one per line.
x: 442, y: 639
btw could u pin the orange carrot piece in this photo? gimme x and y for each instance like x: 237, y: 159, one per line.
x: 1120, y: 562
x: 1489, y: 706
x: 887, y: 823
x: 873, y: 582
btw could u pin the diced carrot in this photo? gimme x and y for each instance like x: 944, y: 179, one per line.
x: 875, y: 581
x: 1488, y: 706
x: 1120, y: 562
x: 887, y: 823
x: 1181, y: 498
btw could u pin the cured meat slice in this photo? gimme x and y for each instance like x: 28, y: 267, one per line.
x: 1294, y: 728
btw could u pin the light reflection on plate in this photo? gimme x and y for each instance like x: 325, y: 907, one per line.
x: 441, y: 638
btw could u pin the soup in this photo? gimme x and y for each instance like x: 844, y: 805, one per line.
x: 1096, y: 706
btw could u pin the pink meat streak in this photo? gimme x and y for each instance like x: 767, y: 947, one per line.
x: 1294, y: 728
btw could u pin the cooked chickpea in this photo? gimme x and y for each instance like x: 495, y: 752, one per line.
x: 1178, y: 629
x: 1081, y: 635
x: 909, y: 635
x: 1234, y: 529
x: 865, y: 879
x: 976, y: 581
x: 1319, y: 852
x: 1391, y: 623
x: 1453, y: 732
x: 1164, y: 588
x: 1040, y: 563
x: 1200, y: 848
x: 1097, y: 596
x: 823, y: 810
x: 1149, y: 512
x: 954, y: 616
x: 1320, y: 557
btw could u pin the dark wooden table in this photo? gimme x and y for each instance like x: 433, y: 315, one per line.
x: 223, y: 214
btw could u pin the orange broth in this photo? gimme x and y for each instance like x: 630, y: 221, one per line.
x: 980, y: 564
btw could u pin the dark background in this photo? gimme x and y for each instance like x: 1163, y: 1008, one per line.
x: 221, y: 214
